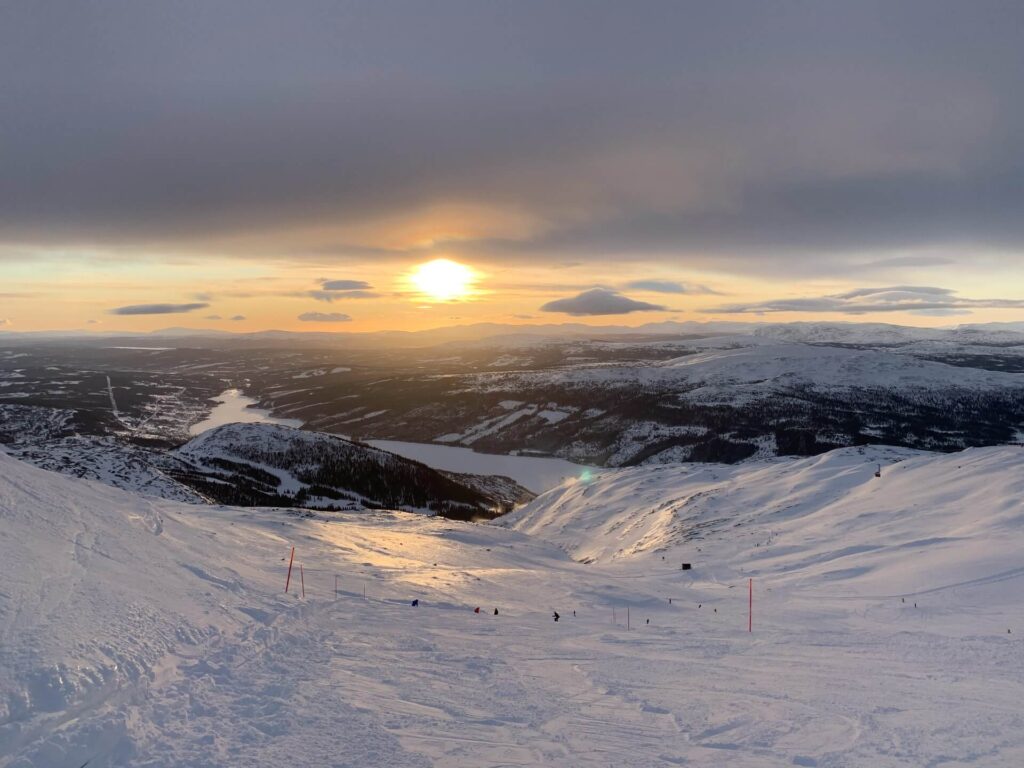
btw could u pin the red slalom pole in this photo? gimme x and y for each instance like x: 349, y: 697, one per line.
x: 302, y: 579
x: 288, y: 580
x: 750, y: 607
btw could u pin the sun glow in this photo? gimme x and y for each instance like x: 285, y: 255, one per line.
x: 444, y: 280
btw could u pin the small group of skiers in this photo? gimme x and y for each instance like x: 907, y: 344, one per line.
x: 555, y: 615
x: 415, y: 604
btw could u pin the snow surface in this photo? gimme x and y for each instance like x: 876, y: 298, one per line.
x: 142, y: 632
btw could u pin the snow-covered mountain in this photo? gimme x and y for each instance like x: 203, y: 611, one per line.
x: 137, y: 631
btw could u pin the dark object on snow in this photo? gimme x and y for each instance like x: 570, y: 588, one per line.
x: 495, y: 611
x: 686, y: 567
x: 477, y: 609
x: 415, y: 603
x: 555, y: 616
x: 648, y: 621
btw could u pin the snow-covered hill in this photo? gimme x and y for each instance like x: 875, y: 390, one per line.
x: 730, y: 365
x: 110, y: 461
x: 256, y: 465
x: 142, y: 632
x: 730, y: 398
x: 825, y: 519
x: 271, y: 464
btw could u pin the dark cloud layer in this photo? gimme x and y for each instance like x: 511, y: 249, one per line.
x: 324, y: 317
x: 668, y: 286
x: 345, y: 285
x: 921, y: 300
x: 330, y: 296
x: 158, y: 309
x: 770, y: 134
x: 600, y: 301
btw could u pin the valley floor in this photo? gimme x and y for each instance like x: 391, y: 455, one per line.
x: 189, y: 653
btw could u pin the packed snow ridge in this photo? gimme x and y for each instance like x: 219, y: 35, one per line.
x: 886, y: 628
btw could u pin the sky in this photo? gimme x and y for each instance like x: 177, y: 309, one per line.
x: 253, y: 165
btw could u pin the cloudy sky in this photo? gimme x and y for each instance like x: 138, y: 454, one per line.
x: 249, y: 165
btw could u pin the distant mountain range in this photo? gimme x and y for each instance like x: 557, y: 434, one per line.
x: 611, y: 396
x: 787, y: 389
x: 804, y: 331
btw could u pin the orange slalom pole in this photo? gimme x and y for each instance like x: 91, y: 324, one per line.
x: 288, y: 580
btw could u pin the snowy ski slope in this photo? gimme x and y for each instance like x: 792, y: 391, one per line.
x: 143, y: 632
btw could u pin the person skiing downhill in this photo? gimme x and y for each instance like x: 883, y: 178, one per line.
x: 555, y: 616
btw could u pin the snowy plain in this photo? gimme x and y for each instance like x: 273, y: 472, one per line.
x: 142, y: 632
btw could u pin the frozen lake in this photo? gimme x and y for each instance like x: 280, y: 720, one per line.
x: 537, y: 473
x: 234, y: 407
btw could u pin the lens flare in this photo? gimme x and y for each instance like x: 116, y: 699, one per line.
x: 444, y: 280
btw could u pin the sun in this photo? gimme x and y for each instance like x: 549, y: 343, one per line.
x: 443, y: 279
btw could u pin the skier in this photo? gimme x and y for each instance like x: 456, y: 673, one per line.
x: 415, y: 603
x: 555, y: 616
x: 477, y: 609
x: 495, y: 611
